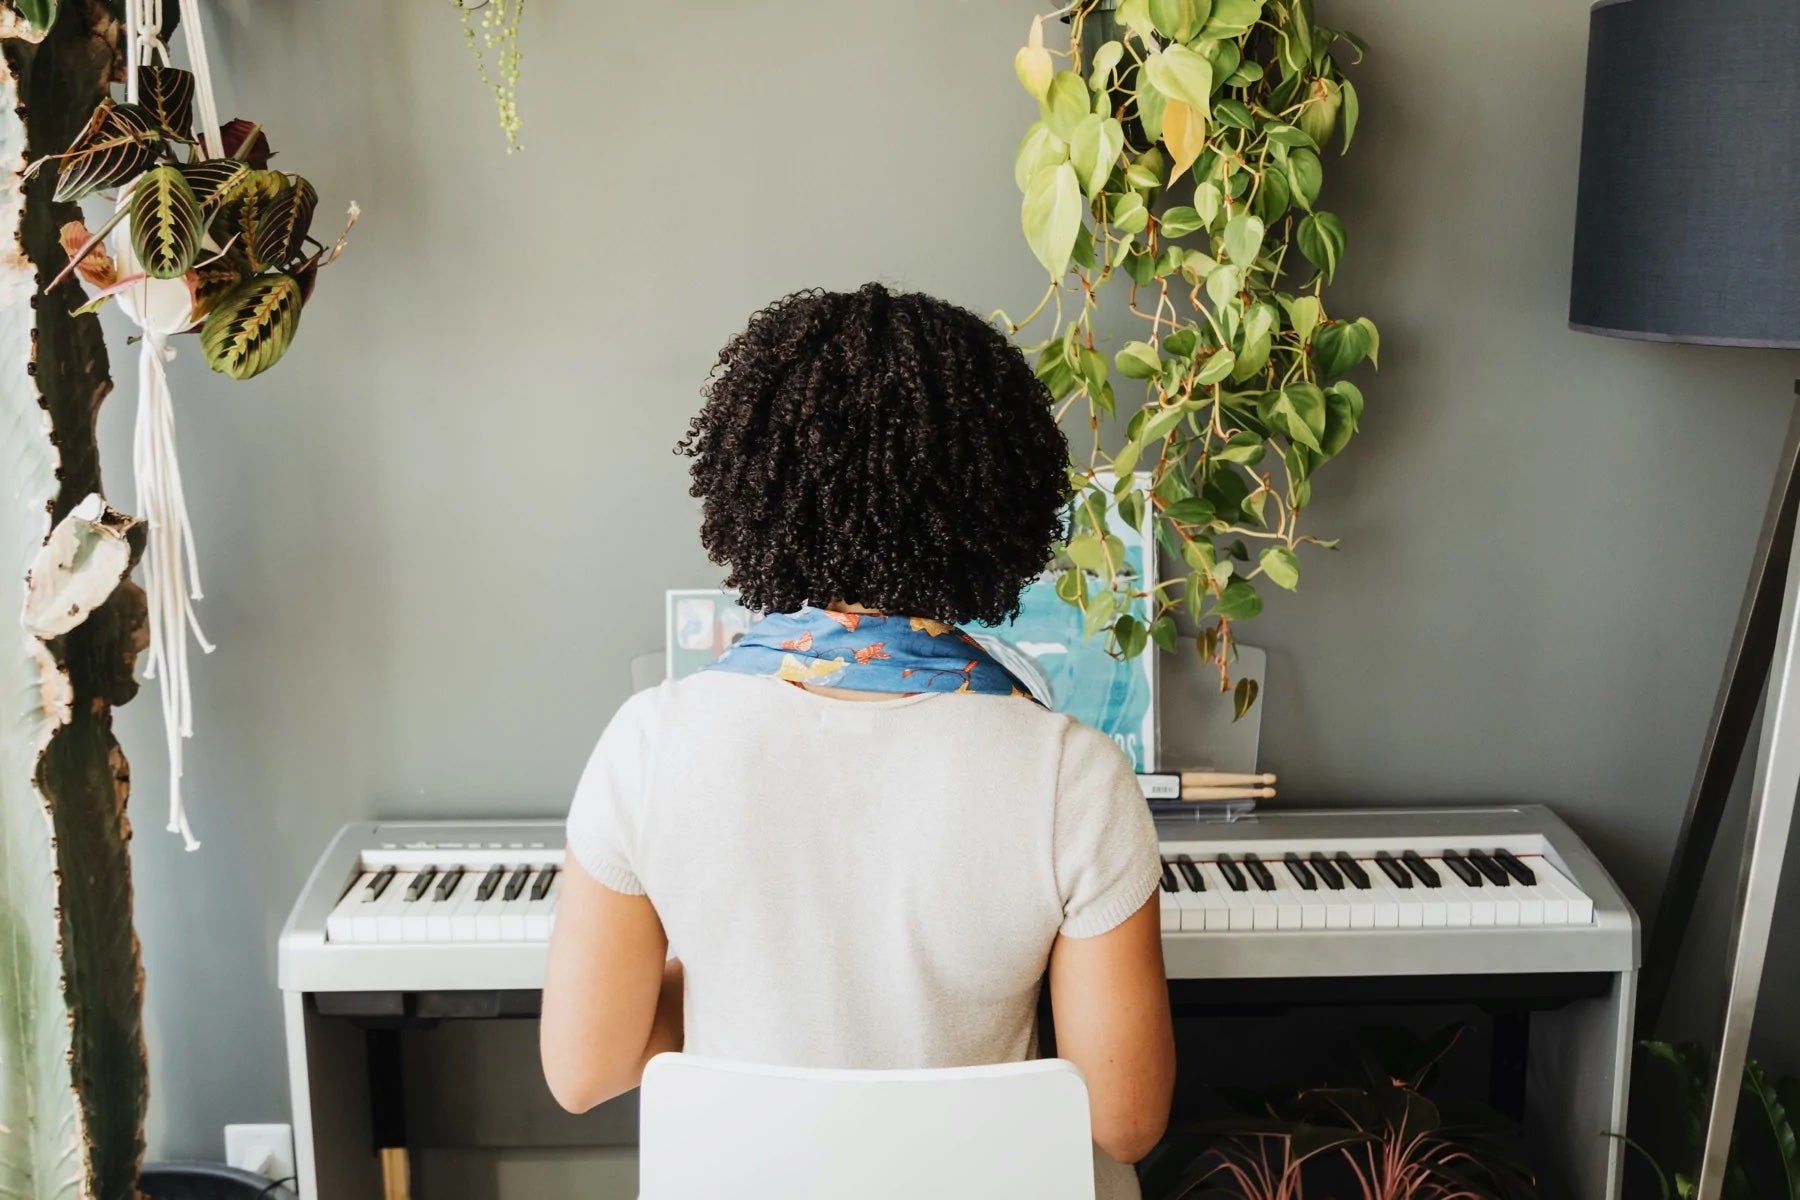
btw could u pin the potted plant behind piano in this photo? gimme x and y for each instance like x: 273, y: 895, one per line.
x: 1380, y: 1137
x: 1178, y: 160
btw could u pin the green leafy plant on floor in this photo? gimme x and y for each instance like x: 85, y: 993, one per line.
x: 1382, y: 1138
x: 1775, y: 1101
x: 1177, y: 164
x: 237, y: 233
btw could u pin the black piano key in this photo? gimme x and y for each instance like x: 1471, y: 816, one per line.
x: 1258, y: 872
x: 1427, y: 875
x: 1168, y: 877
x: 489, y: 882
x: 545, y: 878
x: 1393, y: 870
x: 1488, y: 867
x: 1518, y: 870
x: 378, y: 885
x: 1326, y: 871
x: 516, y: 884
x: 1229, y: 869
x: 420, y: 882
x: 446, y: 887
x: 1195, y: 881
x: 1464, y: 871
x: 1298, y: 870
x: 1353, y: 870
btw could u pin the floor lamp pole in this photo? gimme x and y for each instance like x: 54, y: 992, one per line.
x: 1753, y: 648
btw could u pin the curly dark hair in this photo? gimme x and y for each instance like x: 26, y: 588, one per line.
x: 879, y: 448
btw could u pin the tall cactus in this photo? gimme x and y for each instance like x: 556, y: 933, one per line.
x: 72, y: 1072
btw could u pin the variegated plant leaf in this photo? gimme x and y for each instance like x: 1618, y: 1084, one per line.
x: 166, y: 228
x: 281, y: 232
x: 212, y: 180
x: 249, y: 330
x: 168, y: 94
x: 217, y: 278
x: 239, y: 210
x: 118, y: 144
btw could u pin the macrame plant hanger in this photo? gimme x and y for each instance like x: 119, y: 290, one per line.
x: 162, y: 308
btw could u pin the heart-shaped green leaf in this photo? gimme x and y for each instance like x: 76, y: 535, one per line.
x: 1321, y: 239
x: 250, y: 329
x: 1182, y: 74
x: 1051, y: 216
x: 1282, y: 567
x: 166, y: 227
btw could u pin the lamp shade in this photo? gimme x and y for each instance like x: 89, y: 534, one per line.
x: 1687, y: 227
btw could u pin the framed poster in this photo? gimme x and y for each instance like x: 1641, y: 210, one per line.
x: 1044, y: 645
x: 702, y: 623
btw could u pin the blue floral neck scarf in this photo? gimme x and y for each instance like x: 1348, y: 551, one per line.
x: 867, y: 652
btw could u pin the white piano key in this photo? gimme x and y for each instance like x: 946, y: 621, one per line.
x: 1312, y: 901
x: 1237, y: 904
x: 340, y: 926
x: 1289, y: 913
x: 415, y: 915
x: 1459, y: 904
x: 440, y: 922
x: 1188, y: 904
x: 539, y: 912
x: 1170, y: 908
x: 512, y: 912
x: 1481, y: 904
x: 391, y: 909
x: 1434, y: 906
x: 1363, y: 901
x: 1387, y: 900
x: 1580, y: 907
x: 1506, y: 903
x: 487, y: 912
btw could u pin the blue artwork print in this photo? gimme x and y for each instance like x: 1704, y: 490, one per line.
x: 1073, y: 674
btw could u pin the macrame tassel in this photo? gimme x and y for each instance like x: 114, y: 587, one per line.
x: 171, y: 567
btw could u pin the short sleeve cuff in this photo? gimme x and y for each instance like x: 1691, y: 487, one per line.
x: 1109, y: 910
x: 606, y: 869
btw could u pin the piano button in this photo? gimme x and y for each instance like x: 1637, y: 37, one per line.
x: 1254, y: 864
x: 1298, y: 870
x: 446, y: 887
x: 545, y: 878
x: 489, y: 882
x: 1422, y: 870
x: 1512, y: 866
x: 378, y: 884
x: 1234, y: 878
x: 516, y: 884
x: 1322, y: 865
x: 1353, y: 870
x: 1168, y: 877
x: 1488, y: 867
x: 1464, y: 871
x: 420, y: 882
x: 1238, y: 914
x: 1393, y: 870
x: 1190, y: 872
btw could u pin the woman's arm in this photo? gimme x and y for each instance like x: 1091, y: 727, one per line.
x: 1110, y: 1002
x: 611, y: 1002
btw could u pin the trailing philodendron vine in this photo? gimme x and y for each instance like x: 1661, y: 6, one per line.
x: 1176, y: 163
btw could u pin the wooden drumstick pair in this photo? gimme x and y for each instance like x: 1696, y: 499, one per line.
x: 1226, y: 785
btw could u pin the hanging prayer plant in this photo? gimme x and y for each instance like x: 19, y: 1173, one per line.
x: 233, y: 236
x: 1177, y: 159
x: 499, y: 36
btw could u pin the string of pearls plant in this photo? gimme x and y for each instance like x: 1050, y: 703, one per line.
x: 499, y: 37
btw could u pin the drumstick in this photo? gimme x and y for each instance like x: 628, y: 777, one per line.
x: 1227, y: 793
x: 1224, y: 779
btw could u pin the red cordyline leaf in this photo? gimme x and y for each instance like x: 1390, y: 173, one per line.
x: 231, y: 139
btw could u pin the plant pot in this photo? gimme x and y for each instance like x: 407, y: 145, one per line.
x: 207, y: 1181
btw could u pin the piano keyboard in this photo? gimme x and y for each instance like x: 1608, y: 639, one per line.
x: 445, y: 906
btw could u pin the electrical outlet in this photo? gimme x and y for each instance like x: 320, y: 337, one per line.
x: 268, y: 1150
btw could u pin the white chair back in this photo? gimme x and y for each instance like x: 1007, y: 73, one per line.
x: 710, y: 1129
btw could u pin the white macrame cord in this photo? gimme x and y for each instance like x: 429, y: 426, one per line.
x: 171, y: 567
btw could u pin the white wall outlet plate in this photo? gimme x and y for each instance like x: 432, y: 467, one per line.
x: 267, y: 1150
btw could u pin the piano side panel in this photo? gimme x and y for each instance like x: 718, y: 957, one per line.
x: 1580, y: 1067
x: 328, y: 1077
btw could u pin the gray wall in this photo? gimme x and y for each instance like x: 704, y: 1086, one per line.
x: 433, y: 538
